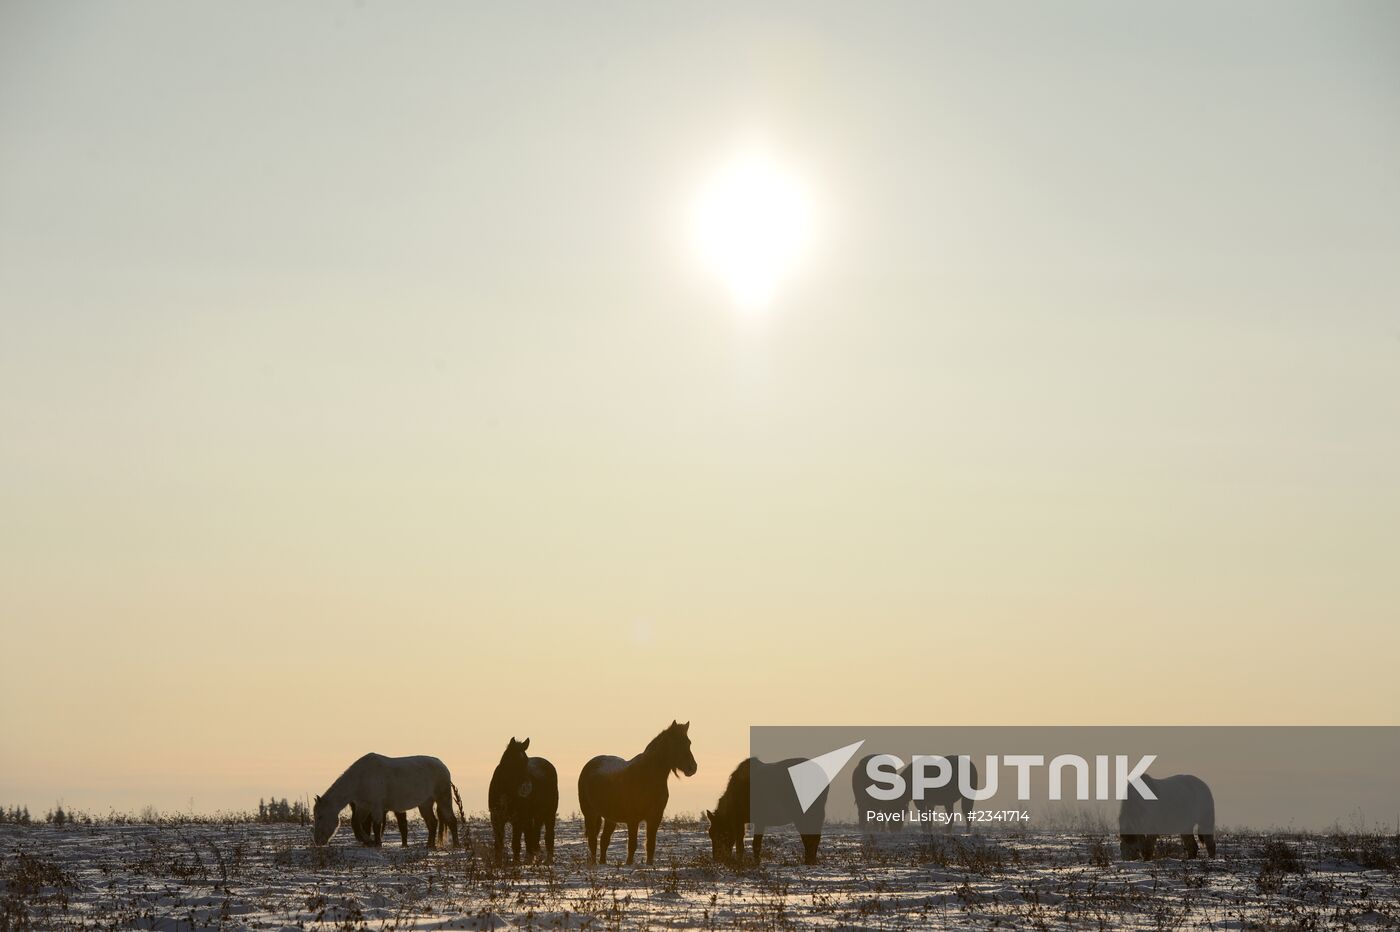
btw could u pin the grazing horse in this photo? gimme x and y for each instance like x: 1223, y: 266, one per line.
x: 613, y: 790
x: 524, y: 792
x: 772, y: 785
x: 377, y: 785
x: 1184, y: 806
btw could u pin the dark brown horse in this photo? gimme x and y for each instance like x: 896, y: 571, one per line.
x: 524, y: 791
x: 613, y: 790
x: 778, y: 803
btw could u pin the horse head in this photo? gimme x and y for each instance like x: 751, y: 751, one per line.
x: 326, y: 820
x: 722, y: 840
x: 514, y: 766
x: 678, y: 755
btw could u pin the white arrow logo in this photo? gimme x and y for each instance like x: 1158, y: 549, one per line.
x: 811, y: 777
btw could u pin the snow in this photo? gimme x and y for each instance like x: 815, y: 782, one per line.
x: 250, y: 876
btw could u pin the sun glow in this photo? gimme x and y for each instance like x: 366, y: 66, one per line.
x: 751, y: 224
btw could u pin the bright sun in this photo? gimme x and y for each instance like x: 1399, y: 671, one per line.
x: 751, y: 224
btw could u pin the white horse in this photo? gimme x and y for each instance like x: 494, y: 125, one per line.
x: 1184, y: 806
x: 377, y: 784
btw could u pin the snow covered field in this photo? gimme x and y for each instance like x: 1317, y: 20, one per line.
x: 235, y: 876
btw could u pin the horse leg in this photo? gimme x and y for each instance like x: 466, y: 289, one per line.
x: 498, y: 831
x: 608, y: 826
x: 515, y: 832
x: 432, y: 824
x: 591, y: 824
x: 739, y: 847
x: 1209, y: 841
x: 632, y: 841
x: 1148, y: 843
x: 653, y: 826
x: 402, y: 818
x: 425, y: 812
x: 809, y: 847
x: 1192, y: 849
x: 447, y: 817
x: 532, y: 839
x: 359, y: 824
x: 757, y: 843
x: 377, y: 817
x: 549, y: 841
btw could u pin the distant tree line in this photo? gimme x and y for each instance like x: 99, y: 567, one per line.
x: 15, y: 815
x: 19, y: 815
x: 269, y: 810
x: 279, y: 810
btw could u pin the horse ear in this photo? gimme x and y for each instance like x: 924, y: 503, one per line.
x: 686, y: 727
x: 512, y: 740
x: 316, y: 798
x: 674, y: 723
x: 524, y: 745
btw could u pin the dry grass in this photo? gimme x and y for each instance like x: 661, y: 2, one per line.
x: 169, y: 876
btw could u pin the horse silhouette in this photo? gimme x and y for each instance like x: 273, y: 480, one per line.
x: 771, y: 786
x: 524, y: 791
x: 1184, y: 806
x: 377, y: 785
x: 613, y: 790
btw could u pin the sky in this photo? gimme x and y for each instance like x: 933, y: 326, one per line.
x: 361, y: 388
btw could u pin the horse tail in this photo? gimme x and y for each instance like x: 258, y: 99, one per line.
x: 461, y: 810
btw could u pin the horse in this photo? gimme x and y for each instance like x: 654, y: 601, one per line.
x: 377, y: 784
x: 771, y: 785
x: 524, y: 791
x: 1184, y: 805
x: 612, y: 790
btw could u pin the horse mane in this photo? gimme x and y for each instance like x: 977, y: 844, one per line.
x: 654, y: 745
x: 657, y: 746
x: 737, y: 787
x: 332, y: 791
